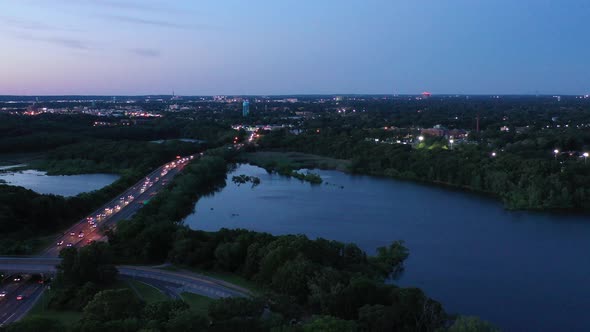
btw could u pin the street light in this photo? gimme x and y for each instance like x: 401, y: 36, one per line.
x: 493, y: 154
x: 420, y: 138
x: 451, y: 141
x: 555, y: 152
x: 585, y: 156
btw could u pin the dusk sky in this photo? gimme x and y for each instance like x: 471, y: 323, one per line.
x: 107, y: 47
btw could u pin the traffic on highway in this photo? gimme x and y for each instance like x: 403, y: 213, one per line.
x: 17, y: 292
x: 91, y: 228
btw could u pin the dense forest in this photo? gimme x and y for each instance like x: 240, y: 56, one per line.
x: 522, y: 183
x: 528, y: 153
x: 308, y: 285
x: 71, y: 145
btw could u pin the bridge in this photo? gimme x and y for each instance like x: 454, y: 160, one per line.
x: 182, y: 281
x: 29, y: 265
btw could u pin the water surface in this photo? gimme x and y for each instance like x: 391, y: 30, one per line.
x: 522, y: 271
x: 64, y: 185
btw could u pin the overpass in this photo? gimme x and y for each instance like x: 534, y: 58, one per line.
x: 29, y: 265
x: 177, y: 281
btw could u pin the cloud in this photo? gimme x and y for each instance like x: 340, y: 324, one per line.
x: 146, y: 52
x: 59, y: 41
x: 117, y: 5
x: 126, y: 5
x: 151, y: 22
x: 23, y: 24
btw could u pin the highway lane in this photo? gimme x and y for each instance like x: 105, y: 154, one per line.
x: 12, y: 309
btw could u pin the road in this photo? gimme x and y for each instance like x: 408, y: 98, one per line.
x: 170, y: 283
x: 121, y: 207
x: 183, y: 281
x: 83, y: 233
x: 179, y: 281
x: 13, y: 309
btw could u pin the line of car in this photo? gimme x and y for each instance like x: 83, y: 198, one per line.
x: 19, y: 279
x: 123, y: 202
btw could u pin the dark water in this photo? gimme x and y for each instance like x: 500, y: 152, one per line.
x: 69, y: 185
x: 519, y: 270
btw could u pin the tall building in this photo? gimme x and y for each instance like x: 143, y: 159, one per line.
x: 245, y: 108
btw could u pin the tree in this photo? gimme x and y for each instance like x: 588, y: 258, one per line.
x: 187, y: 321
x: 471, y: 324
x: 92, y: 263
x: 390, y: 259
x: 36, y: 324
x: 227, y: 308
x: 292, y: 278
x: 378, y: 318
x: 162, y: 311
x: 329, y: 324
x: 115, y: 304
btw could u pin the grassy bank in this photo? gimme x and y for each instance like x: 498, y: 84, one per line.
x: 41, y: 310
x: 293, y: 160
x: 145, y: 292
x: 8, y: 159
x: 198, y: 303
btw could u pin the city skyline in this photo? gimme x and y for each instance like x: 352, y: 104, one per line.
x: 107, y: 47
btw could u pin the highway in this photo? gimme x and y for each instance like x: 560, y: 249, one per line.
x: 80, y: 234
x: 170, y: 283
x: 13, y: 309
x: 121, y: 207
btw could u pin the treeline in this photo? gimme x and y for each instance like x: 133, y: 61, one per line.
x: 96, y: 156
x: 308, y: 285
x: 69, y: 144
x: 302, y: 277
x: 521, y: 183
x: 25, y: 215
x: 39, y: 134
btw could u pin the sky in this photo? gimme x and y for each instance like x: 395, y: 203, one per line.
x: 269, y: 47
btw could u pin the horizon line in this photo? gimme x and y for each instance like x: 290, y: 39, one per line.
x: 296, y: 94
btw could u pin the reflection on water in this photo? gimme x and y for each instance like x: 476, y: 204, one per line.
x: 520, y: 270
x: 69, y: 185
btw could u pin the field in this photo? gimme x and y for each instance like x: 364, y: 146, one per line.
x: 294, y: 160
x: 146, y: 292
x: 198, y: 303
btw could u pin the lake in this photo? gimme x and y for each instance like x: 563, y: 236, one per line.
x: 64, y: 185
x: 522, y: 271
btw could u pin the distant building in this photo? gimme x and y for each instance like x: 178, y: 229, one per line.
x: 440, y: 131
x: 245, y: 108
